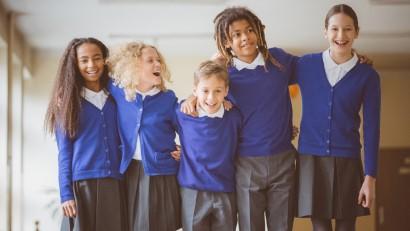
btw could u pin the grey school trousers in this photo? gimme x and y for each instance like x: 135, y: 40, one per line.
x: 265, y: 187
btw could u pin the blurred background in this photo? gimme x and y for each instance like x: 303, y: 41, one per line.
x: 34, y: 33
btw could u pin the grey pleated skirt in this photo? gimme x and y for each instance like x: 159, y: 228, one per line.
x: 154, y: 202
x: 328, y: 187
x: 100, y: 206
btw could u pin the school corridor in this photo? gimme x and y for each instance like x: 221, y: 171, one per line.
x: 34, y: 34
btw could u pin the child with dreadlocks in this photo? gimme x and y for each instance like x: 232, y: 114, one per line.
x: 259, y: 79
x: 83, y: 117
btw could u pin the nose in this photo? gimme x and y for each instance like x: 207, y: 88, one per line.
x: 157, y: 63
x: 244, y: 36
x: 340, y: 34
x: 90, y: 63
x: 211, y: 96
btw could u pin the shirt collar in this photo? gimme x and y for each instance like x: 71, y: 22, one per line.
x: 89, y: 94
x: 98, y: 99
x: 258, y: 61
x: 217, y: 114
x: 346, y: 66
x: 151, y: 92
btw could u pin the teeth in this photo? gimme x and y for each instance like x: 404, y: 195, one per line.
x: 341, y: 43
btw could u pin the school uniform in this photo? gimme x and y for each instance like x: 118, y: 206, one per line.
x: 207, y: 172
x: 265, y: 169
x: 89, y: 167
x: 147, y: 128
x: 330, y: 172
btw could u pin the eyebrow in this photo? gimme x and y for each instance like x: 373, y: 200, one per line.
x: 85, y: 56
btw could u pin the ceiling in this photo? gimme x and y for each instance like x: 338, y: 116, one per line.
x: 185, y: 26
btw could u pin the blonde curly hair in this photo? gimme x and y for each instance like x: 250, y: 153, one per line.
x: 123, y: 64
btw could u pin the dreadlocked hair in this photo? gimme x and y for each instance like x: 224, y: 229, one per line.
x: 229, y: 15
x: 63, y: 111
x: 124, y: 66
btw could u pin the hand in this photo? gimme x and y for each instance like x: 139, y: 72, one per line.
x: 227, y: 105
x: 295, y: 132
x: 364, y: 59
x: 189, y: 106
x: 367, y: 192
x: 69, y: 208
x: 177, y: 153
x: 219, y: 58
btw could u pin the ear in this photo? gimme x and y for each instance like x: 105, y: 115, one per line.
x: 194, y: 91
x: 228, y: 44
x: 325, y: 33
x: 226, y: 92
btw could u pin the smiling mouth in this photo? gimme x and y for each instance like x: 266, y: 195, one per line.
x: 341, y: 43
x: 92, y: 72
x: 247, y: 45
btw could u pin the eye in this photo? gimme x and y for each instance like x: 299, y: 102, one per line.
x: 236, y: 35
x: 83, y: 61
x: 205, y: 91
x: 250, y: 30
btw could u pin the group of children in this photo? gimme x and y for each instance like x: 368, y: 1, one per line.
x: 115, y: 124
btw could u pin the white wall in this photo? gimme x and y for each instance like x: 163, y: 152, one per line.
x: 3, y: 138
x: 40, y: 157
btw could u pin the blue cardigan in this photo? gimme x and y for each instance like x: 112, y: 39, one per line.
x: 330, y: 120
x: 94, y: 152
x: 263, y: 99
x: 208, y: 151
x: 154, y: 119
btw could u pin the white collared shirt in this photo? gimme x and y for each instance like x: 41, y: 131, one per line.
x: 217, y: 114
x: 152, y: 92
x: 258, y: 61
x: 98, y: 99
x: 335, y: 72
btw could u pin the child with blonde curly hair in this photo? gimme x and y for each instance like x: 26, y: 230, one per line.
x: 147, y: 124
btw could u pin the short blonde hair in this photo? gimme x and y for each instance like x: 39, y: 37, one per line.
x: 211, y: 68
x: 123, y: 67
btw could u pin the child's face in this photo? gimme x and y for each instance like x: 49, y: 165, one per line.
x: 90, y: 62
x: 244, y: 41
x: 341, y: 33
x: 150, y: 69
x: 210, y: 93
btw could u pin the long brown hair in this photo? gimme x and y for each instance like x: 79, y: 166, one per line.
x: 65, y: 104
x: 229, y: 15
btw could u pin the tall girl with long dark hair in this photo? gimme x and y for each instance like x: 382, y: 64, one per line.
x: 83, y: 117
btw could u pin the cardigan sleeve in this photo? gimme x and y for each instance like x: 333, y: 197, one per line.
x: 65, y: 158
x: 293, y: 65
x: 371, y: 123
